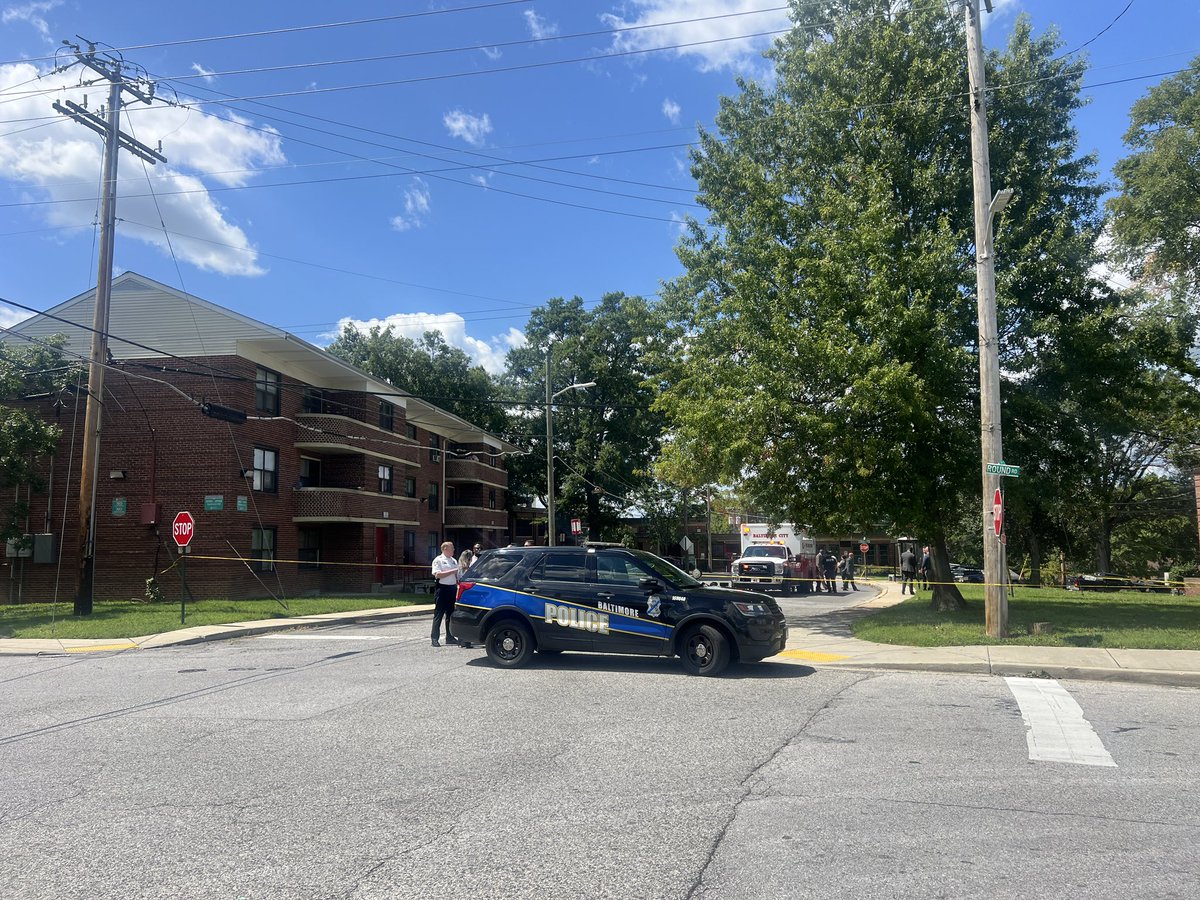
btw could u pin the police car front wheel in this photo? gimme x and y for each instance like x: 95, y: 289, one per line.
x: 510, y: 644
x: 704, y: 651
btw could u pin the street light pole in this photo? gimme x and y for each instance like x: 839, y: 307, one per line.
x: 986, y: 208
x: 551, y: 532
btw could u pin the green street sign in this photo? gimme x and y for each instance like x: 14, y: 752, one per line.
x: 1004, y: 470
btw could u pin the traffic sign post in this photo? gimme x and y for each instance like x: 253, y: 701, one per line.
x: 183, y: 529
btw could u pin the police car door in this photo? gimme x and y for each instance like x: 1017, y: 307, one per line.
x: 560, y: 580
x: 622, y: 597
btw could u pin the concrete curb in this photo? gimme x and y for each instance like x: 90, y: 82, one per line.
x: 200, y: 634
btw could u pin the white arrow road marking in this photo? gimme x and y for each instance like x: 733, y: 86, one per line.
x: 1056, y: 728
x: 321, y: 637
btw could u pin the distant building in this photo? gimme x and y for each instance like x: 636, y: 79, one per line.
x: 335, y: 482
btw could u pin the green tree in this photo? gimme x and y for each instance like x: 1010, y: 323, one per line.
x: 606, y: 437
x: 428, y: 368
x: 826, y: 322
x: 25, y: 438
x: 1156, y: 214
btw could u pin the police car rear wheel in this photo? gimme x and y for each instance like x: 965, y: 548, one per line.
x: 705, y: 651
x: 510, y: 644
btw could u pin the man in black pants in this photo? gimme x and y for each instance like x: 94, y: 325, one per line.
x: 445, y: 574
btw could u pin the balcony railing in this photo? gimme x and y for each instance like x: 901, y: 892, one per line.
x: 473, y: 470
x: 475, y: 517
x: 348, y: 505
x: 331, y: 433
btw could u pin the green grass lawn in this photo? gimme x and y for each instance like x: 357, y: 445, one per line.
x: 1123, y: 619
x: 126, y: 619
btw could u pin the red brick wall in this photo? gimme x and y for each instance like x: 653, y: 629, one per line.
x: 172, y: 454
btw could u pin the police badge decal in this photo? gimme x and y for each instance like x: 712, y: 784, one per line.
x: 655, y: 606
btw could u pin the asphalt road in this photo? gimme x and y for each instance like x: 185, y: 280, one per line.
x: 360, y: 762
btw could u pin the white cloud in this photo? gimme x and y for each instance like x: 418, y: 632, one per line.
x: 416, y: 206
x: 488, y: 353
x: 539, y: 28
x: 999, y: 10
x: 31, y: 13
x: 492, y: 53
x: 472, y: 129
x: 62, y: 161
x: 739, y: 55
x: 10, y: 317
x: 671, y: 110
x: 206, y: 74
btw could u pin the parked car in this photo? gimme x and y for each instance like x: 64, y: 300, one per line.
x: 609, y: 599
x: 966, y: 574
x: 1106, y: 581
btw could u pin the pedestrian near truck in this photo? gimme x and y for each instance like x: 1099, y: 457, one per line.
x: 829, y: 567
x: 847, y: 567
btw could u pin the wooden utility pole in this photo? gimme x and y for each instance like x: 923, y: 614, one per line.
x: 109, y: 128
x: 989, y: 362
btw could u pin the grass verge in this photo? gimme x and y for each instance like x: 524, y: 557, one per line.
x: 1122, y: 620
x: 126, y: 619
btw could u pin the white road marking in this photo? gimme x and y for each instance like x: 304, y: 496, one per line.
x: 321, y: 637
x: 1056, y: 728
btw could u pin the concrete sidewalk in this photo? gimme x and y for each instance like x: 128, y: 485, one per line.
x: 827, y: 640
x: 822, y: 640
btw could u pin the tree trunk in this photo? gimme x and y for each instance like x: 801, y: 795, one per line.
x: 1104, y: 545
x: 1035, y: 559
x: 946, y: 596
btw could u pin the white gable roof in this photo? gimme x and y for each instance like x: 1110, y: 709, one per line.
x: 149, y: 320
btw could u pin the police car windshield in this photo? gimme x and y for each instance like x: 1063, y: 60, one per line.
x: 666, y: 570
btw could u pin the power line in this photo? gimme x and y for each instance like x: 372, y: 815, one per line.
x: 295, y: 29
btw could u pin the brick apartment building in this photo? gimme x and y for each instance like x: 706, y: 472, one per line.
x: 336, y: 481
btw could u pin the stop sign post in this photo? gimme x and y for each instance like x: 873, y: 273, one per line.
x: 998, y: 512
x: 183, y: 529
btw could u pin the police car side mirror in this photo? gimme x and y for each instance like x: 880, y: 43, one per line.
x: 649, y: 584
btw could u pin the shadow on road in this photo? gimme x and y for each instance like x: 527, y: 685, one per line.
x: 595, y: 662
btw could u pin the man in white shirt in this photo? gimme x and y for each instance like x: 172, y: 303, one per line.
x: 445, y: 573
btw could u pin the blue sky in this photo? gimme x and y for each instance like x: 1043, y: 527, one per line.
x: 369, y: 203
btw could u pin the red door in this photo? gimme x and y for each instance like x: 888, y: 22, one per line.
x: 380, y: 553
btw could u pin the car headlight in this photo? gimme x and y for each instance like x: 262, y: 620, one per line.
x: 751, y: 609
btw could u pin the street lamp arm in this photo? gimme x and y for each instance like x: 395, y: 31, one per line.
x: 573, y: 387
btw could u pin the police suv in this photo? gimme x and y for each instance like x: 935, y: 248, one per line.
x: 609, y: 599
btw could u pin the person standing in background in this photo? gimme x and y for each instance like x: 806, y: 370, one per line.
x: 908, y: 571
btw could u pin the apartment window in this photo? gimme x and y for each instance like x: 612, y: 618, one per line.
x: 314, y: 400
x: 491, y: 498
x: 387, y: 415
x: 309, y: 552
x: 435, y: 448
x: 266, y: 470
x: 410, y: 546
x: 433, y: 496
x: 310, y: 472
x: 410, y: 487
x: 262, y: 549
x: 385, y: 479
x: 435, y: 545
x: 410, y: 432
x: 266, y: 391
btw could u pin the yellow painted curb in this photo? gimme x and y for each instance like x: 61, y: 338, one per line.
x: 99, y: 647
x: 812, y: 656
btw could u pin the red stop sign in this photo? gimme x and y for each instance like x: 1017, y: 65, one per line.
x: 183, y: 528
x: 998, y: 512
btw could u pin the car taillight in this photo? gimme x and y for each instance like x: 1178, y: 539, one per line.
x: 463, y: 586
